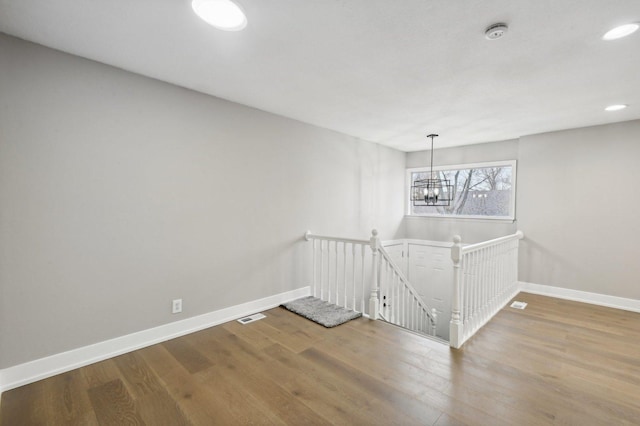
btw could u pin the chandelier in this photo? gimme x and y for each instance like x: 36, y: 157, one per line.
x: 431, y: 191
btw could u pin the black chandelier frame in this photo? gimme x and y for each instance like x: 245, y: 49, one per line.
x: 432, y: 191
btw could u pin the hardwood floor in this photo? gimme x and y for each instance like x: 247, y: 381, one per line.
x: 557, y: 362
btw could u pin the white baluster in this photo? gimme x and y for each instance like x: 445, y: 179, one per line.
x: 335, y: 249
x: 414, y: 310
x: 473, y: 291
x: 504, y: 279
x: 374, y: 302
x: 353, y: 275
x: 520, y: 236
x: 397, y: 306
x: 516, y: 262
x: 490, y: 288
x: 426, y: 321
x: 408, y: 304
x: 487, y: 288
x: 404, y: 303
x: 499, y: 277
x: 321, y: 269
x: 494, y: 261
x: 344, y: 275
x: 362, y: 294
x: 409, y: 307
x: 386, y: 295
x: 477, y: 302
x: 470, y: 265
x: 328, y: 277
x: 494, y: 282
x: 315, y: 261
x: 419, y: 309
x: 484, y: 274
x: 475, y: 285
x: 434, y: 324
x: 384, y: 279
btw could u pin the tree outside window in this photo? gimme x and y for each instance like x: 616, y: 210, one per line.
x: 479, y: 191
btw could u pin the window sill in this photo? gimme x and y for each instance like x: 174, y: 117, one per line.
x: 463, y: 218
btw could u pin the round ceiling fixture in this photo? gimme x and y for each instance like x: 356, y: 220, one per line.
x: 615, y: 107
x: 222, y: 14
x: 495, y: 31
x: 621, y: 31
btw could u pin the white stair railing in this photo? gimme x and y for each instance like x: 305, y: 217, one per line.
x: 485, y: 279
x: 401, y: 303
x: 345, y: 272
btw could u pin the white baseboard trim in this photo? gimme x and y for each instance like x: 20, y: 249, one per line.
x: 42, y: 368
x: 632, y: 305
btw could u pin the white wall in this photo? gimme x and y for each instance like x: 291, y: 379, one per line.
x: 578, y: 207
x: 119, y: 193
x: 471, y: 231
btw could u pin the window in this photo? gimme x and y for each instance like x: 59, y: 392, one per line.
x: 479, y: 191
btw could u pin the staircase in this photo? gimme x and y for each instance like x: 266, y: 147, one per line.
x: 401, y: 303
x: 361, y: 275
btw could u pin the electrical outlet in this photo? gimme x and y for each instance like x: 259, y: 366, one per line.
x: 176, y: 306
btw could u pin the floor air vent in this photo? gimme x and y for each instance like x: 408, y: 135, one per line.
x: 519, y: 305
x: 251, y: 318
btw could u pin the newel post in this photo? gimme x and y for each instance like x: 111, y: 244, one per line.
x: 374, y: 302
x: 456, y: 326
x: 434, y: 322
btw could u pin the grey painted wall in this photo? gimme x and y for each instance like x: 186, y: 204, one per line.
x: 578, y: 206
x: 119, y: 193
x: 471, y: 231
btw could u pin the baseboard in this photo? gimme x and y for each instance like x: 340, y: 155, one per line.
x: 632, y: 305
x: 39, y: 369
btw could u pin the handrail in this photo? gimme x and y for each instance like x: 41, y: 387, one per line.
x: 413, y: 324
x: 478, y: 246
x: 308, y: 236
x: 395, y: 266
x: 405, y: 280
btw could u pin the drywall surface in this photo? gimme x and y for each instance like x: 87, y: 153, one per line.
x: 119, y: 193
x: 478, y: 153
x: 578, y: 208
x: 471, y: 230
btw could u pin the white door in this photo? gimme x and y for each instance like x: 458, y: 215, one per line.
x: 431, y: 273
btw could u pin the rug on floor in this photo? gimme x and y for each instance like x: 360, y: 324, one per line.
x: 321, y: 312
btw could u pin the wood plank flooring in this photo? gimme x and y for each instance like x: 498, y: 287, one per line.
x: 557, y: 362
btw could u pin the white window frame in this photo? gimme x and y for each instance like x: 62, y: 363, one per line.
x: 512, y: 206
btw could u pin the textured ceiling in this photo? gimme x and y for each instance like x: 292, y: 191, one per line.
x: 387, y: 71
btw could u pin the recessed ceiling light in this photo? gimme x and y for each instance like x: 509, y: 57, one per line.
x: 222, y: 14
x: 621, y: 31
x: 615, y: 107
